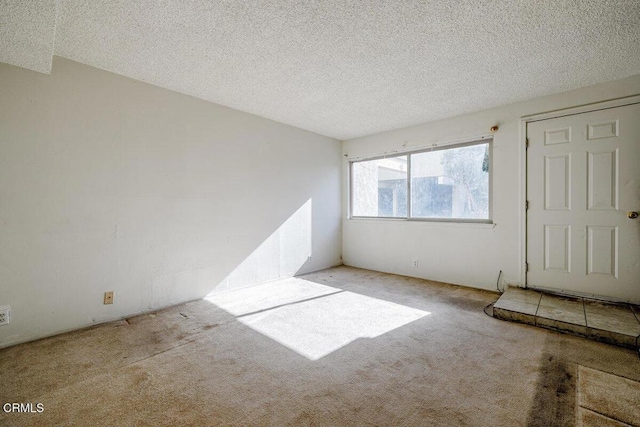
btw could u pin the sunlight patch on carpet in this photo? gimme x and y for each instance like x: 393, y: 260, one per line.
x: 311, y: 319
x: 268, y: 295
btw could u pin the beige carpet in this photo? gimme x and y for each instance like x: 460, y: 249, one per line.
x: 339, y: 347
x: 607, y: 400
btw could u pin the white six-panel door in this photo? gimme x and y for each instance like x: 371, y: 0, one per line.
x: 583, y: 183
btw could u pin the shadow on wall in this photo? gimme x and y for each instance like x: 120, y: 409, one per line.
x: 285, y: 252
x: 282, y: 254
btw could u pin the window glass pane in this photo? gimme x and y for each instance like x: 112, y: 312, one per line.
x: 451, y: 183
x: 380, y: 187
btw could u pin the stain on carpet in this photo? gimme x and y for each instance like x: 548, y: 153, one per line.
x: 467, y: 304
x: 207, y: 327
x: 554, y: 401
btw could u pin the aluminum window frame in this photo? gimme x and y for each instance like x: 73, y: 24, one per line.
x: 368, y: 159
x: 408, y: 154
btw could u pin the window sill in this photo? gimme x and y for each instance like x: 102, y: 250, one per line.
x: 430, y: 222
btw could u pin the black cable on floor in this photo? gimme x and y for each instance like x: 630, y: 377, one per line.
x: 485, y: 309
x: 499, y: 291
x: 638, y: 346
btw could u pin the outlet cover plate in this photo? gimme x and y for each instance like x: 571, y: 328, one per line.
x: 108, y: 297
x: 5, y: 314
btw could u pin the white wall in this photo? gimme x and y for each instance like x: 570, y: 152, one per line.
x: 108, y: 183
x: 466, y: 254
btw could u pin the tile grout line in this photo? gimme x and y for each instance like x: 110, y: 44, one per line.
x: 634, y: 313
x: 535, y: 316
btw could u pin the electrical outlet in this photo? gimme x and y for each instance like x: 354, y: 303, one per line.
x: 309, y: 258
x: 415, y: 263
x: 108, y: 297
x: 5, y: 315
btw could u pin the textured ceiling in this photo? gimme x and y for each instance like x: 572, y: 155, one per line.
x: 351, y: 68
x: 27, y: 32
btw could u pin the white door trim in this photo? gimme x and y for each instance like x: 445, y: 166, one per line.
x: 586, y: 108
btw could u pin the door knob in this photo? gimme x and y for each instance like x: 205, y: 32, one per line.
x: 632, y: 215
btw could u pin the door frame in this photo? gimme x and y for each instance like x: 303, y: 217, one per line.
x: 524, y: 121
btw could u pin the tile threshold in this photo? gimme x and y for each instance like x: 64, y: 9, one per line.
x: 612, y: 323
